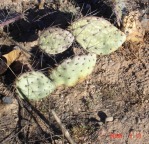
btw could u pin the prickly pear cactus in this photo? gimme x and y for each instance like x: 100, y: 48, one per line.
x: 34, y: 85
x: 72, y: 71
x: 55, y: 40
x: 97, y: 35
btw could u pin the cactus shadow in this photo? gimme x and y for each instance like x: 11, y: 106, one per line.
x: 15, y: 69
x: 4, y: 49
x: 102, y: 116
x: 97, y: 8
x: 37, y: 20
x: 43, y: 61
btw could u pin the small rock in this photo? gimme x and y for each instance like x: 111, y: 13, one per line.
x: 124, y: 119
x: 100, y: 123
x: 7, y: 100
x: 109, y: 119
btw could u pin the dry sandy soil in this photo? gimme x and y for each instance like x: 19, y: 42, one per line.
x: 110, y: 107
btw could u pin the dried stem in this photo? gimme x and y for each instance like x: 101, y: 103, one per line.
x: 11, y: 20
x: 64, y: 130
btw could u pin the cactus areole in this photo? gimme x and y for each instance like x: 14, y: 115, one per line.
x: 97, y: 35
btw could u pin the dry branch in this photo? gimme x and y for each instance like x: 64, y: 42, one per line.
x: 64, y: 130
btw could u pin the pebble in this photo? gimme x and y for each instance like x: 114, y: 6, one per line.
x: 7, y: 100
x: 109, y: 119
x: 124, y: 119
x: 100, y: 123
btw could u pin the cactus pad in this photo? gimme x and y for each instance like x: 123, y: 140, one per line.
x: 74, y: 70
x: 34, y: 85
x: 97, y: 35
x: 55, y: 40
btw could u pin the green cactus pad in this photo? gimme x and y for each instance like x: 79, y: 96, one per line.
x: 97, y: 35
x: 55, y: 40
x: 74, y: 70
x: 34, y: 85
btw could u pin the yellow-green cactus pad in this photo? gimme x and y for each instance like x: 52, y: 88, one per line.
x: 97, y: 35
x: 74, y: 70
x: 34, y: 86
x: 55, y: 40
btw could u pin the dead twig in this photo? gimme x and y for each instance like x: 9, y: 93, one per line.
x: 5, y: 35
x: 64, y: 130
x: 11, y: 20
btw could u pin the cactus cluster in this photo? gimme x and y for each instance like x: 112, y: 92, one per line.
x: 35, y: 85
x: 96, y: 35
